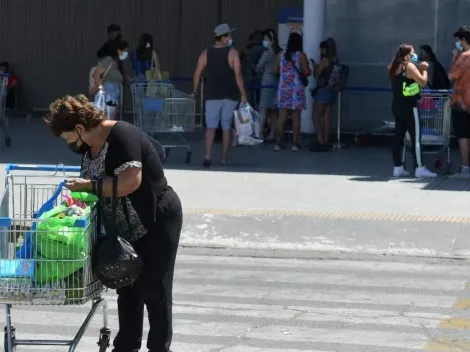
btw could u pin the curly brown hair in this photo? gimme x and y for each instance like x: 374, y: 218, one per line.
x: 67, y: 112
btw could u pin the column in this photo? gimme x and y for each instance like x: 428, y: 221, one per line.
x: 313, y: 34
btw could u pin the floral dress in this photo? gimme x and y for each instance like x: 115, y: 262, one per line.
x: 291, y: 91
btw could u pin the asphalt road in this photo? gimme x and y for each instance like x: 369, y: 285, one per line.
x: 236, y: 304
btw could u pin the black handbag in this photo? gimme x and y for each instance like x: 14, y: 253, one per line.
x: 115, y: 262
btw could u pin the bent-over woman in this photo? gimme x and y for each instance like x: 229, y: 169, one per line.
x: 149, y: 212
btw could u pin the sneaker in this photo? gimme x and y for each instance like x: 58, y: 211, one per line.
x: 399, y: 171
x: 295, y: 148
x: 277, y: 148
x: 464, y: 173
x: 422, y: 172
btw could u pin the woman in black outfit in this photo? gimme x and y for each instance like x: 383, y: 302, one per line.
x: 407, y: 78
x: 437, y: 74
x: 149, y: 212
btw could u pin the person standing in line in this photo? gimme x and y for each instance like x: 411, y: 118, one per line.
x: 324, y: 96
x: 114, y: 33
x: 143, y: 56
x: 223, y: 87
x: 109, y: 76
x: 407, y: 80
x: 265, y: 66
x: 250, y: 58
x: 437, y: 75
x: 460, y: 99
x: 291, y: 64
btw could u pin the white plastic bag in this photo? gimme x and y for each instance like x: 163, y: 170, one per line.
x: 100, y: 101
x: 248, y: 125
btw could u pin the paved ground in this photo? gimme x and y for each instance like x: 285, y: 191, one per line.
x: 265, y: 202
x: 284, y: 305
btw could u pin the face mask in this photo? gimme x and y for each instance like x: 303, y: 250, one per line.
x: 414, y: 58
x: 148, y: 46
x: 459, y: 46
x: 266, y: 44
x: 82, y: 149
x: 118, y: 36
x: 230, y: 42
x: 123, y: 56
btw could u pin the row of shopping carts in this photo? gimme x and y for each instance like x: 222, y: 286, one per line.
x: 159, y: 107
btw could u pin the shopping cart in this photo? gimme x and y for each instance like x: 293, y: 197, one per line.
x: 160, y: 108
x: 3, y: 115
x: 434, y: 112
x: 27, y: 280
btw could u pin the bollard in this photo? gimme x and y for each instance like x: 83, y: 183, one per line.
x: 338, y: 144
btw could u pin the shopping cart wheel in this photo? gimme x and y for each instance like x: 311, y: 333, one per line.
x: 187, y: 160
x: 439, y: 163
x: 167, y: 152
x: 449, y: 168
x: 13, y: 339
x: 105, y: 338
x: 7, y: 141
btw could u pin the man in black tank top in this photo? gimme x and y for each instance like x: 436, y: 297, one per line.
x: 223, y: 88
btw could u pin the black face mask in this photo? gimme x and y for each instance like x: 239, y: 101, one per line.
x: 82, y: 149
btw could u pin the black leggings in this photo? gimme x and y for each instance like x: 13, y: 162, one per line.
x: 407, y: 120
x: 154, y: 288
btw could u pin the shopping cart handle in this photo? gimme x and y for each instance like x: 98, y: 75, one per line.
x: 53, y: 168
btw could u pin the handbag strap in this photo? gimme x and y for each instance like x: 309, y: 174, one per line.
x: 293, y: 64
x: 112, y: 227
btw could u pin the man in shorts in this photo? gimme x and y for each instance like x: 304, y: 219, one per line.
x: 460, y: 99
x: 223, y: 87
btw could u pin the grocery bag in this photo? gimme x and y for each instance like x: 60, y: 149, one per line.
x: 100, y: 104
x: 247, y: 125
x: 153, y: 74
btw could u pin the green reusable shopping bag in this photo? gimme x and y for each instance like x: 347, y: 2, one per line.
x: 60, y: 247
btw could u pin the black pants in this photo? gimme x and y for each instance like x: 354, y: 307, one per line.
x: 154, y: 288
x: 407, y: 120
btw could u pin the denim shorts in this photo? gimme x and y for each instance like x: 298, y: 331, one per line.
x: 113, y: 92
x: 325, y: 96
x: 220, y: 111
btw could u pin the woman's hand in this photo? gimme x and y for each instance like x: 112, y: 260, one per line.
x: 79, y: 184
x: 423, y: 66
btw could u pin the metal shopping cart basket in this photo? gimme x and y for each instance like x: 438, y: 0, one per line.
x: 3, y: 115
x: 26, y: 276
x: 160, y: 108
x: 435, y: 115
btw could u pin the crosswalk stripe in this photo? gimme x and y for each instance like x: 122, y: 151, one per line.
x: 324, y: 279
x: 313, y: 294
x: 343, y: 266
x: 375, y: 338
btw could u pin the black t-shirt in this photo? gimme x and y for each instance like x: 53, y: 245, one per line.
x: 125, y: 147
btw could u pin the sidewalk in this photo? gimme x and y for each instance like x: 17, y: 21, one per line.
x: 315, y: 203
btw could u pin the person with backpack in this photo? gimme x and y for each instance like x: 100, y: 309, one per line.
x: 324, y: 96
x: 437, y: 75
